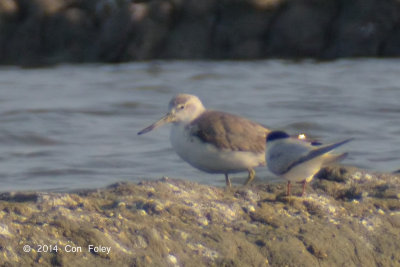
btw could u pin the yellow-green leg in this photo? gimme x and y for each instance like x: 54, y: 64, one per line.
x: 252, y: 174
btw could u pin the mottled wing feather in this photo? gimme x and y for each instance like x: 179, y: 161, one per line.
x: 227, y: 131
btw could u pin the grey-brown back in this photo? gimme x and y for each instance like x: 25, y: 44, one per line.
x: 228, y: 131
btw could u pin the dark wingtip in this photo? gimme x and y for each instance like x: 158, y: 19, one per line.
x: 275, y: 135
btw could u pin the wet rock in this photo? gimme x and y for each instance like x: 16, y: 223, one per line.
x: 8, y: 8
x: 37, y: 32
x: 150, y: 29
x: 337, y: 174
x: 191, y: 30
x: 359, y: 31
x: 302, y: 28
x: 239, y: 34
x: 19, y: 196
x: 341, y: 221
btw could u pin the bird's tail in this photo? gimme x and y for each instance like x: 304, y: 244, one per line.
x: 332, y: 158
x: 327, y: 148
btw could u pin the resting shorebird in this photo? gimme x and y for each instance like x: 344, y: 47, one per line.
x: 213, y: 141
x: 297, y: 160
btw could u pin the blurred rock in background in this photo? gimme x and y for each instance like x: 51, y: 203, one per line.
x: 36, y: 32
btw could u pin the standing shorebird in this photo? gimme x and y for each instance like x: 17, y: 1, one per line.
x: 297, y: 160
x: 213, y: 141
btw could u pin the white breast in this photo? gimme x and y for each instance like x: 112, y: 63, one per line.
x: 208, y: 158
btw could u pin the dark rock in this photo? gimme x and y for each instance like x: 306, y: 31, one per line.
x: 191, y: 30
x: 363, y: 28
x: 150, y: 27
x: 335, y: 173
x: 37, y: 32
x: 8, y: 8
x: 301, y: 29
x: 239, y: 34
x: 19, y: 196
x: 114, y: 29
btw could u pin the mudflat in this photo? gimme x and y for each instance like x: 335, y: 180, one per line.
x: 349, y: 217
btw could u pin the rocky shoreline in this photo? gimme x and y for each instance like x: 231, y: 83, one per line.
x: 349, y: 217
x: 35, y: 32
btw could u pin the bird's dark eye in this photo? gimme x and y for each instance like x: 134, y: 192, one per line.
x: 181, y: 106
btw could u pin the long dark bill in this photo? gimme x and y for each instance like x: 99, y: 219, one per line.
x: 166, y: 119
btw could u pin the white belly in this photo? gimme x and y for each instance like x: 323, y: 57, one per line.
x: 304, y: 171
x: 208, y: 158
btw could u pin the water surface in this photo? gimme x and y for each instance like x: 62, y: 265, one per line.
x: 74, y: 126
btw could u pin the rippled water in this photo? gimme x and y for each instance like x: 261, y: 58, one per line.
x: 71, y: 127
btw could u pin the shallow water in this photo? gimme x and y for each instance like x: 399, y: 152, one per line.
x: 74, y: 126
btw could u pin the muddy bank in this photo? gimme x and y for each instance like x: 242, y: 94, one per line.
x: 53, y: 31
x: 348, y: 218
